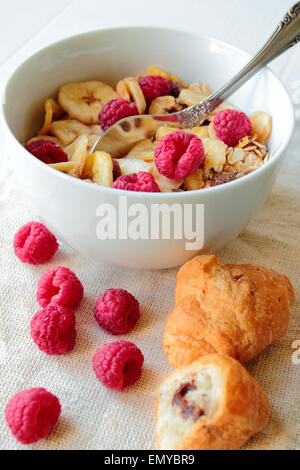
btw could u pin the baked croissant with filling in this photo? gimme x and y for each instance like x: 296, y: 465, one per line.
x: 211, y: 404
x: 236, y: 310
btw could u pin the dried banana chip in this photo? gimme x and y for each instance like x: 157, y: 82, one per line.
x: 99, y: 169
x: 200, y: 132
x: 195, y: 181
x: 84, y: 100
x: 164, y: 105
x: 261, y: 125
x: 77, y: 153
x: 189, y: 97
x: 162, y: 131
x: 133, y: 165
x: 123, y: 138
x: 65, y: 167
x: 68, y: 130
x: 130, y: 90
x: 156, y: 71
x: 144, y: 150
x: 52, y: 111
x: 202, y: 89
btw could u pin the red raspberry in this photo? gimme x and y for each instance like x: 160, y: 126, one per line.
x: 118, y: 365
x: 142, y: 181
x: 154, y: 86
x: 115, y: 110
x: 53, y: 330
x: 34, y: 244
x: 31, y: 414
x: 179, y: 155
x: 117, y: 311
x: 231, y: 126
x: 47, y: 151
x: 59, y: 286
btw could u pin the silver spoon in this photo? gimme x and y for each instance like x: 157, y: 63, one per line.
x: 123, y: 135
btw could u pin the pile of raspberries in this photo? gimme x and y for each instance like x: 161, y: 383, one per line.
x: 31, y: 414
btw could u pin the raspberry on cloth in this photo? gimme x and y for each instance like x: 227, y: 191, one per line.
x: 35, y: 244
x: 53, y: 330
x: 59, y: 286
x: 117, y: 311
x: 118, y: 365
x: 31, y: 414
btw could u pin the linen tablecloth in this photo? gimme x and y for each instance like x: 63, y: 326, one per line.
x: 93, y: 417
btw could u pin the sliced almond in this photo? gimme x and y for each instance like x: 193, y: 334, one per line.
x: 236, y: 155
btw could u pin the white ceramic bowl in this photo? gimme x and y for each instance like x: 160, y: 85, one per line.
x: 68, y: 206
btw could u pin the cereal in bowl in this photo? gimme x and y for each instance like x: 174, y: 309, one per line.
x: 227, y: 146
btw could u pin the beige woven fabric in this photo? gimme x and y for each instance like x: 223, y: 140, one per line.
x: 95, y: 418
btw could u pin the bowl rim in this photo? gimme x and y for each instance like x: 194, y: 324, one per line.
x: 175, y: 195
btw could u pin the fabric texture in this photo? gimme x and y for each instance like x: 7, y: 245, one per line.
x: 96, y: 418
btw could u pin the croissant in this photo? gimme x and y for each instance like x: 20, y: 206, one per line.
x: 237, y: 310
x: 211, y: 404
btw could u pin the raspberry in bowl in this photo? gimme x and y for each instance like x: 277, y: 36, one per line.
x: 232, y: 181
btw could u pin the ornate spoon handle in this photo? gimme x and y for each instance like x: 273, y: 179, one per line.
x: 286, y: 35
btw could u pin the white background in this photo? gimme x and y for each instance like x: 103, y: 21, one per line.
x: 26, y: 26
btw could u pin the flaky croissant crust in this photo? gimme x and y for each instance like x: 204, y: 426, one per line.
x: 237, y: 310
x: 242, y: 412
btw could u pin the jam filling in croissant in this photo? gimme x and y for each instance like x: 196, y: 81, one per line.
x: 187, y: 409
